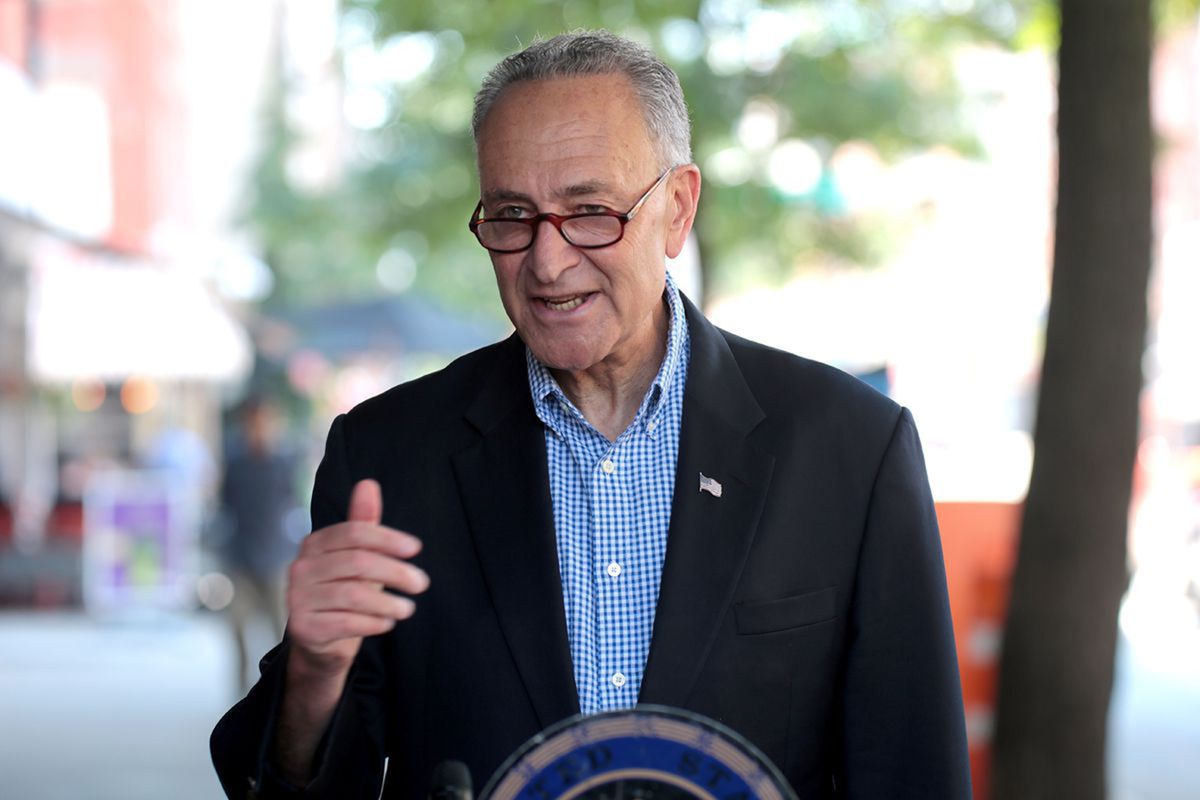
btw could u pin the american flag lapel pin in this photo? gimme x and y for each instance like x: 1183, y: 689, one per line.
x: 709, y: 485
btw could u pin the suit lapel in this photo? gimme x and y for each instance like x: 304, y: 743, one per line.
x: 505, y: 490
x: 709, y: 537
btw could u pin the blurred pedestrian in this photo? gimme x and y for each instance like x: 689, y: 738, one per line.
x: 257, y: 495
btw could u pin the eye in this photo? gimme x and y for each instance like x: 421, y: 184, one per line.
x: 592, y: 209
x: 511, y: 212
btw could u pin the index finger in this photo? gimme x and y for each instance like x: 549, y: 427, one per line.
x: 365, y: 536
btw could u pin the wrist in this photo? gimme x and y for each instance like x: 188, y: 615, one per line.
x: 312, y: 691
x: 313, y: 687
x: 308, y: 667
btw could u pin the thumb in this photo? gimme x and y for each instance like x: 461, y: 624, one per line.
x: 366, y: 502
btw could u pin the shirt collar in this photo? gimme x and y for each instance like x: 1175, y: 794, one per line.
x: 546, y: 392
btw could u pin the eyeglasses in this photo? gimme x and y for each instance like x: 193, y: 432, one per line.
x: 587, y: 231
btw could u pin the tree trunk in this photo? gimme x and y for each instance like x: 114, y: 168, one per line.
x: 1057, y: 663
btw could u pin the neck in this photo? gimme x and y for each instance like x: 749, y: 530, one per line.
x: 608, y: 394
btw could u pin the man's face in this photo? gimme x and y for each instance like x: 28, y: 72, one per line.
x: 573, y: 146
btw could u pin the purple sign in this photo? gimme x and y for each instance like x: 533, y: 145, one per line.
x: 139, y: 542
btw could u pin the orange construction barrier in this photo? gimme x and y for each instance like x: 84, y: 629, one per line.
x: 979, y: 542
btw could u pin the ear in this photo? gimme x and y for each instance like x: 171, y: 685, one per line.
x: 683, y: 197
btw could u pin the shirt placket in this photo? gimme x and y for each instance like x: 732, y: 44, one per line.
x: 579, y: 454
x: 610, y: 490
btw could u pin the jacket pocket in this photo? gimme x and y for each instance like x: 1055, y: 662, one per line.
x: 789, y: 612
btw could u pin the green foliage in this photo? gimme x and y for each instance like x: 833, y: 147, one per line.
x: 829, y: 71
x: 1041, y: 27
x: 1175, y: 13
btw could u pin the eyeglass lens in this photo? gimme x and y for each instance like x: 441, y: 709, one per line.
x: 585, y: 231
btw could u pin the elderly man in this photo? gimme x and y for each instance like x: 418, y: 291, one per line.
x: 620, y: 504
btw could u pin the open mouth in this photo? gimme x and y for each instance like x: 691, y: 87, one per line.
x: 566, y: 303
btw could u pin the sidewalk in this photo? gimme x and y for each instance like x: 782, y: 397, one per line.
x: 1154, y: 718
x: 98, y: 711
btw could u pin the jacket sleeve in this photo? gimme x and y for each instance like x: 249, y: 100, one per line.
x: 903, y: 733
x: 350, y: 758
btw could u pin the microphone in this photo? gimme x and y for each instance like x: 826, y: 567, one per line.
x: 451, y: 781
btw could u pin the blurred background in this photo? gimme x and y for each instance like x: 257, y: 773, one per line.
x: 223, y: 223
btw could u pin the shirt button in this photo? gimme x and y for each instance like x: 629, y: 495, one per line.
x: 651, y: 425
x: 608, y: 466
x: 618, y: 680
x: 614, y: 569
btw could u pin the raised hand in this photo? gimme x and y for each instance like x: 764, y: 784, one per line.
x: 335, y: 591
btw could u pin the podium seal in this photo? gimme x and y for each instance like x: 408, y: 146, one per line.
x: 647, y: 753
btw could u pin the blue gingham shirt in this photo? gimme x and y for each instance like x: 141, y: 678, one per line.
x: 612, y: 507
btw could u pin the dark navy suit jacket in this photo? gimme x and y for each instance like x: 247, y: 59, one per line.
x: 805, y: 608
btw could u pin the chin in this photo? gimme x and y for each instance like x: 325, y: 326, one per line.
x: 565, y: 359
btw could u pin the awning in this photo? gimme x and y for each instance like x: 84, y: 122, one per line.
x: 97, y: 315
x: 387, y: 325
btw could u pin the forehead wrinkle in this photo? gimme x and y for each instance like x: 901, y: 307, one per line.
x: 584, y: 188
x: 562, y: 177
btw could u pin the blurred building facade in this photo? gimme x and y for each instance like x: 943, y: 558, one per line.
x: 115, y: 205
x: 128, y: 282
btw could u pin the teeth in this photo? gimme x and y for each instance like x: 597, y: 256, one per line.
x: 565, y: 305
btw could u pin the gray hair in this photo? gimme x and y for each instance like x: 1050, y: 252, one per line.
x: 599, y: 52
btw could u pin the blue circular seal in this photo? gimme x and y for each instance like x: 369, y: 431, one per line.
x: 647, y: 753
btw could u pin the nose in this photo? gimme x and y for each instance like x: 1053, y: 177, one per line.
x: 550, y: 254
